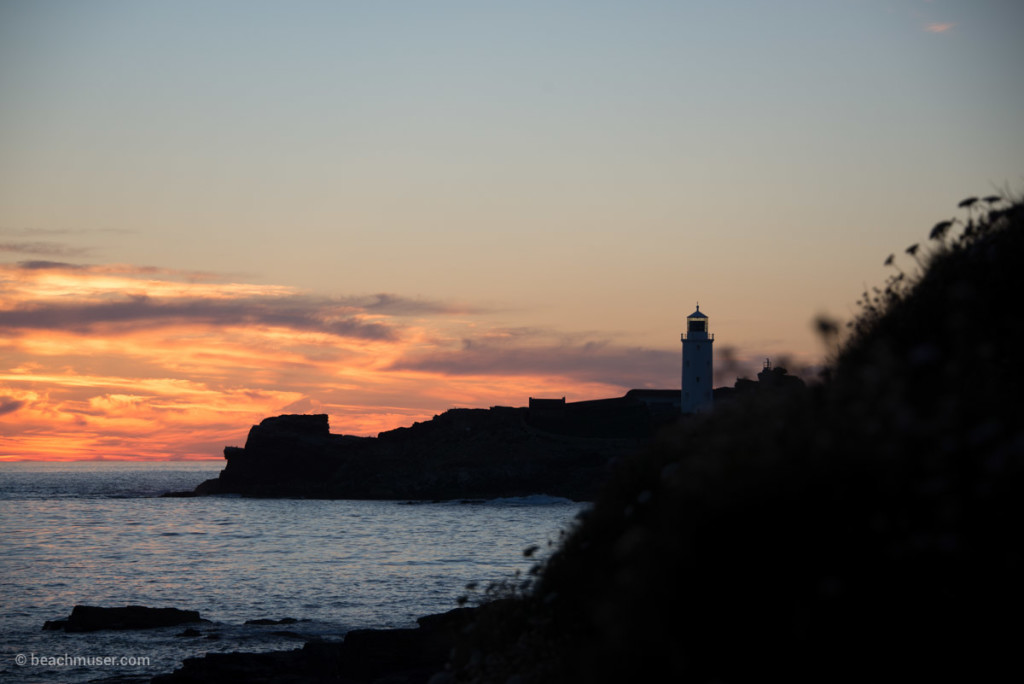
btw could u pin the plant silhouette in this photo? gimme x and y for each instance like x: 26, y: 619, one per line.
x: 862, y: 528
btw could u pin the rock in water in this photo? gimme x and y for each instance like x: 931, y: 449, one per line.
x: 94, y: 618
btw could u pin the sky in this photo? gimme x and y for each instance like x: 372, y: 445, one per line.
x: 216, y: 211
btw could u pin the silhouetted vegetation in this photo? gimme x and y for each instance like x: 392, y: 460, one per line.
x: 864, y: 528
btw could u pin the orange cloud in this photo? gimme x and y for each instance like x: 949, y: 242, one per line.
x: 128, y: 362
x: 939, y: 28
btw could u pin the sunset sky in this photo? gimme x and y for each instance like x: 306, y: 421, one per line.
x: 216, y: 211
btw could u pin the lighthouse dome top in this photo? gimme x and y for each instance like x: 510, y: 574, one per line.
x: 697, y: 313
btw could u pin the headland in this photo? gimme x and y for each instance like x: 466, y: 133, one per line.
x: 550, y: 447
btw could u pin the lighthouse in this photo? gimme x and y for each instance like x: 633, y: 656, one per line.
x: 697, y: 369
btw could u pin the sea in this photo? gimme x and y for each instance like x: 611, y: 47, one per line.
x: 98, y: 533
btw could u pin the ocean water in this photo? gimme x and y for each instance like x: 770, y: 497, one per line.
x: 98, y: 534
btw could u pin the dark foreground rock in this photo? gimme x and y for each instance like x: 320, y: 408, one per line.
x: 95, y: 618
x: 398, y: 656
x: 864, y: 529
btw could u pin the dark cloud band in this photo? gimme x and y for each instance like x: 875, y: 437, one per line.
x: 41, y: 248
x: 291, y: 312
x: 588, y: 362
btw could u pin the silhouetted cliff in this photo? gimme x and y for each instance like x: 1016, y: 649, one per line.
x: 462, y: 453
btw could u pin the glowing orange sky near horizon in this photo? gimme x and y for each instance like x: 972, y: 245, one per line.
x: 97, y: 370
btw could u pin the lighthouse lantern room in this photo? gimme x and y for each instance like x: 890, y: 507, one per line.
x: 697, y: 364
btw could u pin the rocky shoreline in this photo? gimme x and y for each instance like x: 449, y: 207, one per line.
x: 399, y: 656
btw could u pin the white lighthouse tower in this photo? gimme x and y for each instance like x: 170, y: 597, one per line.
x: 697, y: 368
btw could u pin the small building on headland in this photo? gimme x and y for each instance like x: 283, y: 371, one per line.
x: 771, y: 378
x: 547, y: 408
x: 637, y: 414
